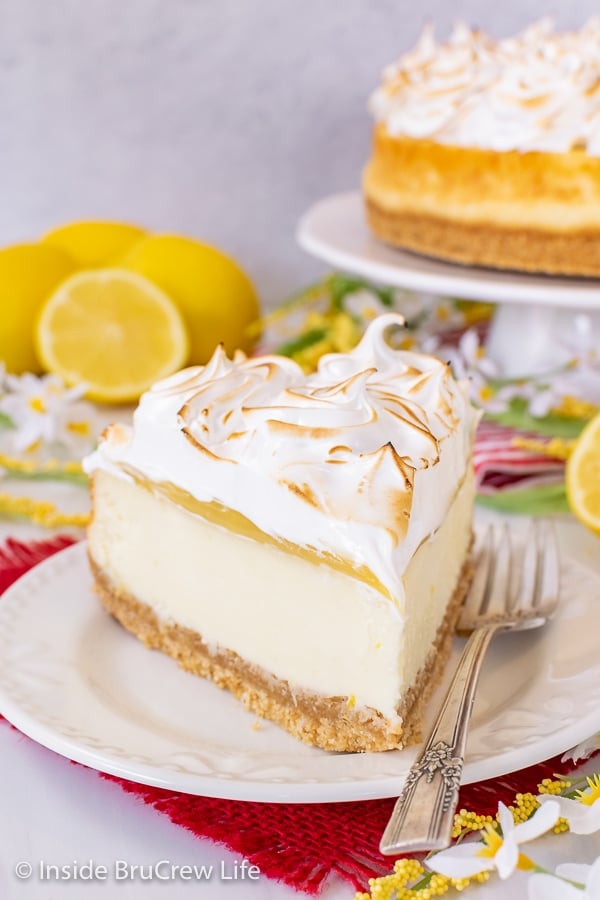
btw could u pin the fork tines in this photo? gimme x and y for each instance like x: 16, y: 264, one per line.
x: 513, y: 584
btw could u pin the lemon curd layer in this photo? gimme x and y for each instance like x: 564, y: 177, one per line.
x: 216, y: 514
x: 552, y: 192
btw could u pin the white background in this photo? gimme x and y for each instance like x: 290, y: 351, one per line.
x: 221, y: 118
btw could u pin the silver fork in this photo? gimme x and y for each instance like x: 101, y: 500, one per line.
x: 498, y: 600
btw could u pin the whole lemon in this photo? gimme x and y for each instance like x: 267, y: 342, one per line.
x: 216, y: 298
x: 28, y: 274
x: 95, y: 242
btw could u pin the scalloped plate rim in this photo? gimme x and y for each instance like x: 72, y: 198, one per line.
x: 223, y: 785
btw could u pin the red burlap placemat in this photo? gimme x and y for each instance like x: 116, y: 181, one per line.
x: 299, y: 844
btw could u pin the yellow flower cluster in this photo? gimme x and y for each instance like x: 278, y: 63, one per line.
x: 555, y: 787
x: 573, y: 408
x: 340, y: 334
x: 395, y: 886
x: 40, y: 512
x: 410, y: 880
x: 465, y: 820
x: 556, y: 447
x: 551, y: 786
x: 20, y: 466
x: 524, y: 807
x: 561, y: 826
x: 474, y: 311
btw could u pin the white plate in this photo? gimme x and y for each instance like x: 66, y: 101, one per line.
x: 75, y: 681
x: 335, y: 230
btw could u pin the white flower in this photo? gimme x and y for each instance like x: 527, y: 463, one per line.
x: 542, y: 400
x: 583, y: 813
x: 499, y: 851
x: 583, y: 750
x: 575, y: 381
x: 468, y: 357
x: 445, y: 314
x: 493, y: 401
x: 550, y: 887
x: 432, y: 345
x: 580, y: 380
x: 474, y: 354
x: 44, y: 411
x: 365, y: 305
x: 418, y: 309
x: 468, y: 362
x: 581, y: 341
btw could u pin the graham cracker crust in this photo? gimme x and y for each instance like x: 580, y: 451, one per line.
x: 483, y: 244
x: 327, y: 722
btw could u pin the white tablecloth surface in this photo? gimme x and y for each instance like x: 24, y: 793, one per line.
x: 56, y: 813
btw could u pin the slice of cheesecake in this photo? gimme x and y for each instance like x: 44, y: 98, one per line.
x: 302, y: 540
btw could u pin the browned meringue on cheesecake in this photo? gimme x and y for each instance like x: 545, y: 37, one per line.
x: 302, y: 540
x: 488, y: 152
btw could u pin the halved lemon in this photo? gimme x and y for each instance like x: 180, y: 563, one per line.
x: 216, y: 298
x: 95, y: 243
x: 113, y: 330
x: 583, y: 476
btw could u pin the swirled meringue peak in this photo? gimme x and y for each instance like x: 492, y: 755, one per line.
x: 537, y: 91
x: 360, y: 459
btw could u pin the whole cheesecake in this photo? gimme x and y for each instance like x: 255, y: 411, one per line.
x: 488, y: 153
x: 302, y: 540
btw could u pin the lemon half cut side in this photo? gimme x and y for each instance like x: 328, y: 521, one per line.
x: 583, y: 476
x: 113, y: 330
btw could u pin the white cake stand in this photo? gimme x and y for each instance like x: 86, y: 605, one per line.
x: 539, y: 317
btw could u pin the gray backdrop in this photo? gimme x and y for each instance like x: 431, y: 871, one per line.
x: 224, y: 119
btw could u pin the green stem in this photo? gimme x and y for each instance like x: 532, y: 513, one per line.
x: 301, y: 343
x: 423, y: 882
x: 542, y: 871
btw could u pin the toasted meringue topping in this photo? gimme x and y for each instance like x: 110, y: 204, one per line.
x: 353, y: 460
x: 537, y: 91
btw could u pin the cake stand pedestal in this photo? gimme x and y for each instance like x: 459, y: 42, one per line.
x: 539, y: 320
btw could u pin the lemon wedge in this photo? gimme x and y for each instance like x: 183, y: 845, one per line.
x: 583, y: 476
x: 113, y: 330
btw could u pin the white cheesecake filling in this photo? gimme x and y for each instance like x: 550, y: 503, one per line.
x: 317, y: 628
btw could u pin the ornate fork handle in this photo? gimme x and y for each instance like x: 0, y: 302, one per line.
x: 424, y: 812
